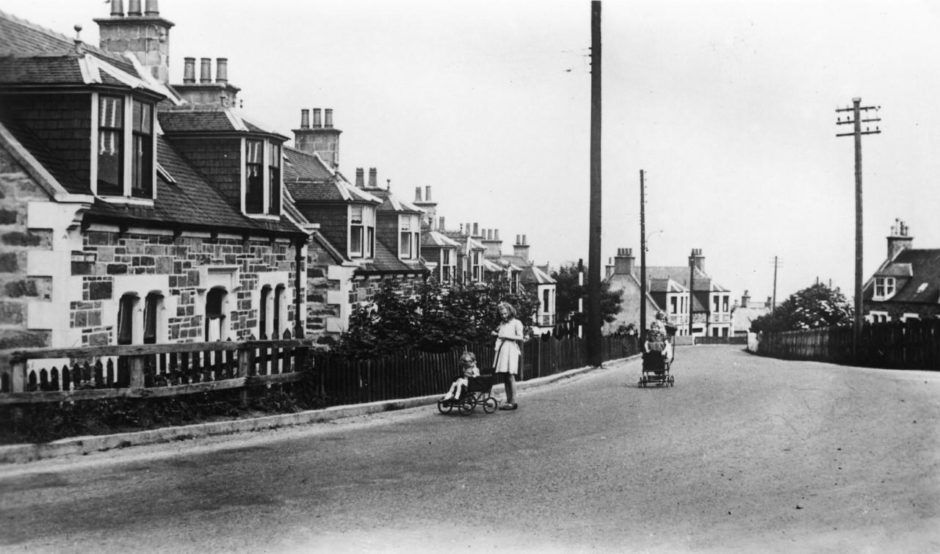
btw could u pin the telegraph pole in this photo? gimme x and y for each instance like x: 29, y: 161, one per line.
x: 594, y: 243
x: 855, y: 119
x: 642, y: 252
x: 691, y: 288
x: 773, y: 304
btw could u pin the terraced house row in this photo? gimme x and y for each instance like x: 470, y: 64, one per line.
x: 137, y: 211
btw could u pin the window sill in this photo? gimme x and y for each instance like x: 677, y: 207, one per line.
x: 127, y: 201
x: 263, y: 217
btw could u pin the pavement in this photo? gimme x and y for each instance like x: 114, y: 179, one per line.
x: 77, y: 446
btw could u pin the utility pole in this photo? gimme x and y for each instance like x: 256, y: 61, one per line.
x: 580, y: 298
x: 594, y: 243
x: 773, y: 302
x: 855, y: 119
x: 691, y: 288
x: 642, y: 252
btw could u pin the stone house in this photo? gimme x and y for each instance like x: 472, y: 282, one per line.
x: 907, y: 283
x: 135, y: 211
x: 622, y: 275
x: 745, y: 312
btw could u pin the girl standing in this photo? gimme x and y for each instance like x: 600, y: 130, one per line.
x: 509, y: 337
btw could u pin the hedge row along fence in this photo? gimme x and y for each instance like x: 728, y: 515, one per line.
x: 166, y: 370
x: 914, y: 344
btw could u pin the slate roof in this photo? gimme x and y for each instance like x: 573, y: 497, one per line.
x: 680, y: 274
x: 385, y: 262
x: 309, y: 180
x: 209, y: 119
x: 922, y: 287
x: 54, y: 164
x: 391, y: 203
x: 432, y: 239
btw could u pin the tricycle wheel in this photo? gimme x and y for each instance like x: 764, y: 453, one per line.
x: 465, y: 408
x: 444, y: 407
x: 490, y: 405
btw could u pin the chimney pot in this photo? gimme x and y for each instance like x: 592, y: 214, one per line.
x: 417, y: 194
x: 476, y: 229
x: 205, y: 70
x: 495, y: 234
x: 427, y: 193
x: 133, y: 7
x: 373, y: 178
x: 328, y: 118
x: 304, y: 119
x: 525, y: 241
x: 360, y: 177
x: 316, y: 118
x: 153, y: 7
x: 117, y: 8
x: 221, y: 70
x: 189, y: 70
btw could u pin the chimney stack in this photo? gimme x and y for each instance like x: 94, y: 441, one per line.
x: 494, y: 246
x: 360, y: 177
x: 427, y: 193
x: 476, y: 229
x: 745, y: 299
x: 417, y: 194
x: 117, y: 8
x: 328, y: 118
x: 221, y: 70
x: 133, y: 8
x: 153, y: 8
x: 623, y: 261
x: 316, y: 118
x: 697, y: 259
x: 899, y: 240
x: 609, y: 269
x: 189, y: 70
x: 205, y: 70
x: 440, y: 224
x: 304, y: 119
x: 147, y: 37
x: 319, y: 140
x: 521, y: 248
x: 373, y: 178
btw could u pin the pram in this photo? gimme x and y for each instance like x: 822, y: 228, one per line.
x: 656, y: 365
x: 477, y: 393
x: 656, y: 370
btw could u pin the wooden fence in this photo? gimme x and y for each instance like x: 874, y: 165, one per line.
x: 914, y: 344
x: 721, y: 340
x: 148, y: 371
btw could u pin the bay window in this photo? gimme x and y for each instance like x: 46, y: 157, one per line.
x: 409, y: 241
x: 361, y: 231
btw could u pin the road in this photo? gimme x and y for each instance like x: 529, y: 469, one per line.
x: 745, y: 454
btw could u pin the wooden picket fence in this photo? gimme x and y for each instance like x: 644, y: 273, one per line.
x: 162, y: 370
x: 914, y: 344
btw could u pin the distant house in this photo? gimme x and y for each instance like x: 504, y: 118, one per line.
x: 623, y: 275
x: 522, y: 272
x: 668, y: 290
x: 743, y: 314
x: 907, y: 284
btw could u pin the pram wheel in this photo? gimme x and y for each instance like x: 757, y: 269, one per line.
x: 465, y: 407
x: 490, y: 405
x: 444, y: 406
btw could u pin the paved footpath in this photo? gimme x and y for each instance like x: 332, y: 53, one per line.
x: 745, y: 454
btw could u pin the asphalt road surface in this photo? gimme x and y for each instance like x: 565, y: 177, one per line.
x: 744, y: 454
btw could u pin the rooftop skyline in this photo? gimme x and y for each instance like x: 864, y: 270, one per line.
x: 729, y: 107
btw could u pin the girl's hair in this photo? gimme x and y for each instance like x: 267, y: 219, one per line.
x: 655, y: 324
x: 468, y: 356
x: 508, y: 306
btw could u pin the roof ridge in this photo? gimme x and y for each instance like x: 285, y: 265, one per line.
x: 69, y: 43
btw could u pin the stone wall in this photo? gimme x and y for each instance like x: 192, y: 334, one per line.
x: 17, y: 289
x: 181, y: 268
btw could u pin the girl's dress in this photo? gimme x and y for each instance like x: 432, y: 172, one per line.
x: 508, y: 351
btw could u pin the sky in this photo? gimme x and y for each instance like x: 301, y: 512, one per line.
x: 727, y: 105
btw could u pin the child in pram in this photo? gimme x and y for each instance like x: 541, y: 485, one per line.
x: 468, y: 365
x: 656, y: 344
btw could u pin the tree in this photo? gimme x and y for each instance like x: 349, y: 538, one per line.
x: 567, y: 293
x: 813, y: 307
x: 432, y: 319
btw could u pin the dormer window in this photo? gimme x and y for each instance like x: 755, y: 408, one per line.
x: 262, y: 177
x: 884, y: 288
x: 120, y: 171
x: 361, y: 231
x: 475, y: 266
x: 447, y: 265
x: 409, y: 237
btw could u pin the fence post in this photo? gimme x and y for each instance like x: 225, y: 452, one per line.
x: 136, y: 372
x: 245, y: 359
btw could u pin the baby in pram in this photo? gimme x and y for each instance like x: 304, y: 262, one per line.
x: 656, y: 347
x: 468, y: 367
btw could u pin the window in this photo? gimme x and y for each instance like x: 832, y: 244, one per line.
x: 110, y: 145
x: 673, y: 305
x: 447, y: 269
x: 254, y: 177
x: 724, y: 303
x: 278, y: 332
x: 263, y: 312
x: 215, y: 314
x: 274, y: 180
x: 884, y: 288
x: 142, y: 157
x: 878, y: 317
x: 153, y: 307
x: 361, y: 231
x: 409, y: 238
x: 125, y: 326
x: 475, y: 266
x: 715, y: 303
